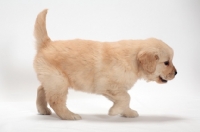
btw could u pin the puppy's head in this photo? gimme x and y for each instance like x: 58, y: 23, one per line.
x: 155, y: 61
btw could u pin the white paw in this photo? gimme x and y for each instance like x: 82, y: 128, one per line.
x: 75, y: 117
x: 115, y: 111
x: 130, y: 113
x: 71, y: 116
x: 44, y: 111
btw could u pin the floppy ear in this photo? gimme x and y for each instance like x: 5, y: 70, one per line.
x: 148, y: 59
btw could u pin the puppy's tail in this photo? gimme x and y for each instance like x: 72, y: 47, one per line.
x: 40, y: 32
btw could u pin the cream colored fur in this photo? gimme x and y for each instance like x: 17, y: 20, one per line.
x: 106, y: 68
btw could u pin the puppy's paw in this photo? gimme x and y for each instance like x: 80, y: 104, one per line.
x: 75, y: 117
x: 115, y: 111
x: 44, y: 111
x: 130, y: 113
x: 71, y: 116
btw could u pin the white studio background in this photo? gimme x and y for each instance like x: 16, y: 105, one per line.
x: 176, y: 22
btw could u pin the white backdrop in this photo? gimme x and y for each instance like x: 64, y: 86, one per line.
x: 176, y: 22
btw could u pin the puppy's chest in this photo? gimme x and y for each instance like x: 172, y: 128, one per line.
x: 125, y: 79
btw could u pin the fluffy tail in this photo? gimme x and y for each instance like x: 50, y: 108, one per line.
x: 40, y: 32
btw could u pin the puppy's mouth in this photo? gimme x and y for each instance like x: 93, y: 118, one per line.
x: 162, y: 80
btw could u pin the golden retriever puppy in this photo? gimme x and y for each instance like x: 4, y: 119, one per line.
x: 106, y: 68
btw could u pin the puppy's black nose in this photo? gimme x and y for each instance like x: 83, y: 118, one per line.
x: 175, y: 73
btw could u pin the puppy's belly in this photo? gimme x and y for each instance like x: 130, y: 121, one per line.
x: 100, y: 84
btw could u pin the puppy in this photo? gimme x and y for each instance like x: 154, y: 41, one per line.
x: 106, y: 68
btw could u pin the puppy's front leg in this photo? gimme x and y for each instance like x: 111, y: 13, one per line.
x: 121, y: 100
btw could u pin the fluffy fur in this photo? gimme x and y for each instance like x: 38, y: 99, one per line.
x: 106, y: 68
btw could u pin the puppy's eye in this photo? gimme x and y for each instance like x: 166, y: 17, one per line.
x: 166, y: 63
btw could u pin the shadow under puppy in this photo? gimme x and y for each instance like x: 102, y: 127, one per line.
x: 106, y: 68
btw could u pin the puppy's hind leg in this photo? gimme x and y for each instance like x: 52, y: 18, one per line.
x: 56, y: 90
x: 41, y: 102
